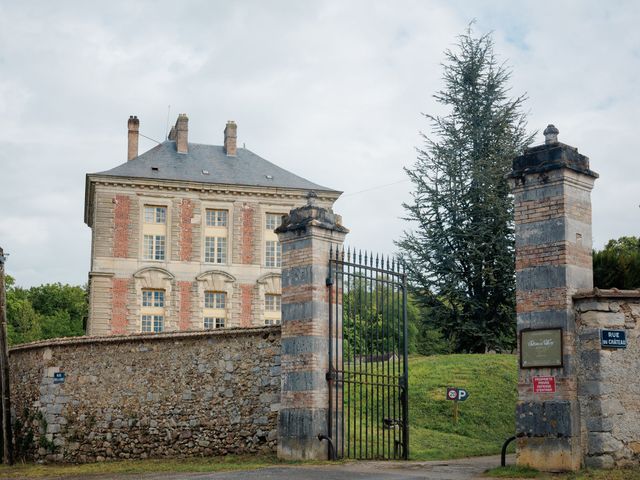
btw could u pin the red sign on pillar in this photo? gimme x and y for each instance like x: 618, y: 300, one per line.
x: 544, y: 384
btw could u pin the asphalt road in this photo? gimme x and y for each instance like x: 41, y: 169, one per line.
x: 464, y: 469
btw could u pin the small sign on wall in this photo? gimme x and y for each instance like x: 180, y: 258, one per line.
x: 58, y: 377
x: 613, y: 339
x: 544, y: 384
x: 541, y: 348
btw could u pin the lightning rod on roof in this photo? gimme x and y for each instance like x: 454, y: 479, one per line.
x: 166, y: 130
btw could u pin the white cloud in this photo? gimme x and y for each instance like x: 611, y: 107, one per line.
x: 330, y: 90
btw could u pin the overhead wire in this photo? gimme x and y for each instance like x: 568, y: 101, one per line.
x: 377, y: 187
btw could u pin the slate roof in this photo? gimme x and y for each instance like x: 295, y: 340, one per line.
x: 163, y: 162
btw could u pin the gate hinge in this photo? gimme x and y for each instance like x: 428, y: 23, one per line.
x: 331, y: 376
x: 329, y: 281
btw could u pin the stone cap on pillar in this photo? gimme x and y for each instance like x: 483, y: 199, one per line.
x: 311, y: 215
x: 552, y: 155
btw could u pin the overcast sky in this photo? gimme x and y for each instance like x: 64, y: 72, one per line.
x: 330, y: 90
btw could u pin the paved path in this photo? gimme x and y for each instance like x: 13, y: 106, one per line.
x: 463, y: 469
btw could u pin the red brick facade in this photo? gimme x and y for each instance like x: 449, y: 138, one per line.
x: 186, y: 230
x: 248, y: 231
x: 119, y: 310
x: 246, y: 304
x: 121, y: 226
x: 184, y: 315
x: 557, y: 253
x: 542, y: 299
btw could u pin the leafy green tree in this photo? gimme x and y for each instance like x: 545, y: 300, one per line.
x: 372, y: 316
x: 372, y: 320
x: 23, y: 322
x: 63, y: 307
x: 460, y: 254
x: 45, y: 311
x: 618, y: 264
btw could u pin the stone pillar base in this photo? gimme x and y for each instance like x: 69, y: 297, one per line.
x: 549, y: 454
x: 299, y: 440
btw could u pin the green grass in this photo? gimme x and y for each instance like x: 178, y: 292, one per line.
x: 486, y: 418
x: 211, y: 464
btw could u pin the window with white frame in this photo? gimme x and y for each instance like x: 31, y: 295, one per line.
x: 216, y: 218
x: 213, y: 322
x: 215, y: 236
x: 153, y: 323
x: 272, y: 249
x: 215, y: 249
x: 216, y: 300
x: 215, y: 309
x: 153, y: 247
x: 152, y: 310
x: 155, y: 215
x: 272, y: 313
x: 272, y: 254
x: 154, y: 231
x: 272, y: 221
x: 153, y: 298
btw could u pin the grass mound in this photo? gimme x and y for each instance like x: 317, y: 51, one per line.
x: 486, y: 418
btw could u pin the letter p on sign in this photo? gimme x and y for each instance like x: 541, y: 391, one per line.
x: 462, y: 394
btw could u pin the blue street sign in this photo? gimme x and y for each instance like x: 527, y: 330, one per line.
x: 58, y: 377
x: 613, y: 339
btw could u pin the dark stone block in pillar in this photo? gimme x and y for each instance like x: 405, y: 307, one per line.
x: 303, y: 381
x: 544, y: 419
x: 298, y: 430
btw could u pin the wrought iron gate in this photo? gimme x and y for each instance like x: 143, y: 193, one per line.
x: 368, y: 369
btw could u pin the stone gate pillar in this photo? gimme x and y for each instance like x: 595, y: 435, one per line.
x: 551, y: 184
x: 306, y: 235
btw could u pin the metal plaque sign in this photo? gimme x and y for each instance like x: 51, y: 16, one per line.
x: 457, y: 394
x: 541, y: 348
x: 58, y: 377
x: 544, y: 384
x: 613, y: 339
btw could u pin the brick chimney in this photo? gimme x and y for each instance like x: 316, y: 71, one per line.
x: 182, y: 133
x: 132, y: 144
x: 230, y: 139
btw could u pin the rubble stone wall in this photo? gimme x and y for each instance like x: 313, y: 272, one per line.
x: 609, y: 378
x: 142, y: 396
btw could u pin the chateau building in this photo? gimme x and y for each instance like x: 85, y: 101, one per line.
x: 182, y: 235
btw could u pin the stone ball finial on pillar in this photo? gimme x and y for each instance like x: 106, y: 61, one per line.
x: 551, y: 134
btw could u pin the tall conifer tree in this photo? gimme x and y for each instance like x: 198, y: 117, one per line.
x: 460, y: 255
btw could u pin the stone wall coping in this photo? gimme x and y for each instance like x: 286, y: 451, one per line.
x: 145, y: 337
x: 608, y: 293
